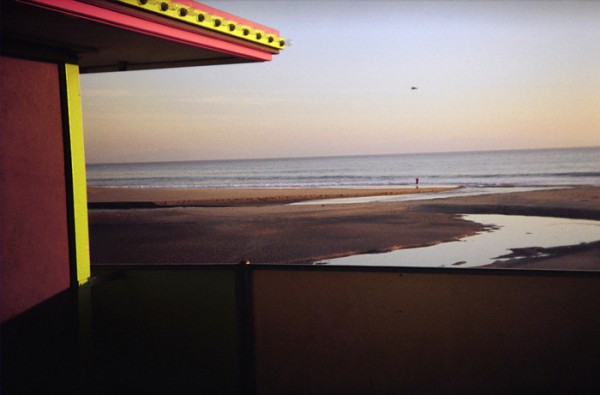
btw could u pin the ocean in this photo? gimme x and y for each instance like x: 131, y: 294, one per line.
x: 485, y: 170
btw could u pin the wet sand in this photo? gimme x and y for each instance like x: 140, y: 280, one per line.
x: 138, y: 197
x: 228, y: 226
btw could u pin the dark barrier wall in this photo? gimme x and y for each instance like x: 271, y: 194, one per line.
x: 34, y: 254
x: 354, y: 332
x: 163, y: 331
x: 137, y: 331
x: 309, y: 330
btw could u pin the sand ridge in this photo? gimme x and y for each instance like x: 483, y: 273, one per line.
x: 107, y: 196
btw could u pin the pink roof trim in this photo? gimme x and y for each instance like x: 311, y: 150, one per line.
x: 151, y: 28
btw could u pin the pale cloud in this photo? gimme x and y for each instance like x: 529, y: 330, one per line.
x: 228, y: 100
x: 108, y: 93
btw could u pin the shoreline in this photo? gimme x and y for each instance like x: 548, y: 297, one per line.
x: 227, y: 226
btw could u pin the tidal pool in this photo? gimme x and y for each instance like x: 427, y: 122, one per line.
x: 505, y: 233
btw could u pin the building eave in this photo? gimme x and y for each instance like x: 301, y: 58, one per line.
x: 111, y: 35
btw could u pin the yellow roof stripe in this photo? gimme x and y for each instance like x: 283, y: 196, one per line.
x: 196, y: 17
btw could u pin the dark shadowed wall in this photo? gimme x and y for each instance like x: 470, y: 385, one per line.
x: 366, y: 332
x: 34, y: 254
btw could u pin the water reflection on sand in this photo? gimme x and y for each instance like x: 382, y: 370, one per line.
x: 451, y: 193
x: 506, y: 233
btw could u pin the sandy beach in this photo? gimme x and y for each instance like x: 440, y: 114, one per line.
x: 148, y: 197
x: 231, y: 225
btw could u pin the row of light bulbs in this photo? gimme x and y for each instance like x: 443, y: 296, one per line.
x: 209, y: 21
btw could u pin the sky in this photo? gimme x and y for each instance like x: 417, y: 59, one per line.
x: 491, y: 75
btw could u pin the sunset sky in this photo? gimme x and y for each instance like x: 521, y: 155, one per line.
x: 490, y: 75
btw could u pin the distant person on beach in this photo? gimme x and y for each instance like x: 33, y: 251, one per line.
x: 417, y: 183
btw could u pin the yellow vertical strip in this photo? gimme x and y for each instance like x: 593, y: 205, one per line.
x: 80, y: 209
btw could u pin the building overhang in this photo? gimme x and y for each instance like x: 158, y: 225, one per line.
x: 102, y: 35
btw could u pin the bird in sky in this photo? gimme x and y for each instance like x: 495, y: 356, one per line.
x: 412, y: 88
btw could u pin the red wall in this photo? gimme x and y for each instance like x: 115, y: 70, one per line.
x: 34, y: 254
